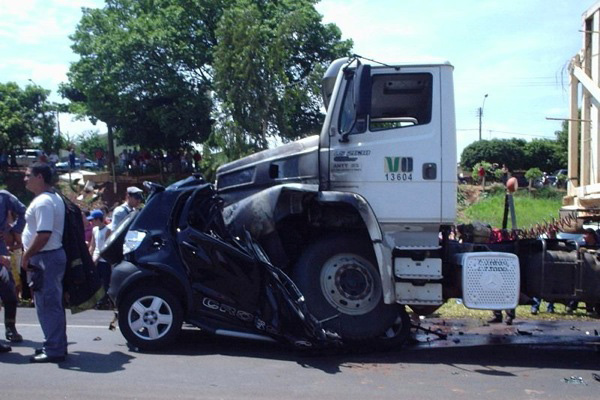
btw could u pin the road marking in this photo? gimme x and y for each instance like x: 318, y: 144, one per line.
x: 70, y: 326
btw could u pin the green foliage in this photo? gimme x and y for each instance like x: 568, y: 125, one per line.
x: 562, y: 141
x: 268, y: 64
x: 486, y: 166
x: 160, y: 71
x: 25, y: 114
x: 498, y: 173
x: 88, y: 142
x: 209, y: 164
x: 144, y: 69
x: 543, y: 154
x: 529, y: 209
x: 451, y: 309
x: 497, y: 151
x: 533, y: 173
x: 496, y: 189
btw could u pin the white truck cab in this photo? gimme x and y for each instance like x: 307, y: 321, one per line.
x: 358, y: 215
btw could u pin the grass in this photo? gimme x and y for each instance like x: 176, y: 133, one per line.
x: 454, y: 310
x: 530, y: 208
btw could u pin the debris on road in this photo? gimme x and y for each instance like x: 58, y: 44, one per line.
x: 575, y: 380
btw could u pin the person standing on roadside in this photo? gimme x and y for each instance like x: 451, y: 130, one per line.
x: 96, y: 245
x: 133, y: 199
x: 10, y: 231
x: 45, y: 260
x: 72, y: 159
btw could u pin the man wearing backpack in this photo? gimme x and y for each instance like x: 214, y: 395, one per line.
x: 45, y: 260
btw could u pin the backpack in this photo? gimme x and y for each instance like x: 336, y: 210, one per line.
x: 81, y: 282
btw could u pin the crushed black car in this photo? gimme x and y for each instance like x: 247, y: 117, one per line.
x: 174, y: 262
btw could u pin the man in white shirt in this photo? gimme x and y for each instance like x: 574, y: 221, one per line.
x: 96, y: 245
x: 132, y: 201
x: 45, y: 260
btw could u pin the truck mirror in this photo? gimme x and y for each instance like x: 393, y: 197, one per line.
x: 361, y: 101
x: 362, y: 91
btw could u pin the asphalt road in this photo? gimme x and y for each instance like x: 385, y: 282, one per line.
x: 527, y: 361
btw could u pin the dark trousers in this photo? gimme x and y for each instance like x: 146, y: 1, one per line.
x: 104, y: 271
x: 8, y: 295
x: 509, y: 313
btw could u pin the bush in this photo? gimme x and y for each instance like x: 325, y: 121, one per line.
x: 533, y: 174
x: 496, y: 189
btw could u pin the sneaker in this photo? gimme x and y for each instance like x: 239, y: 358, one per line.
x: 534, y: 310
x: 508, y: 321
x: 495, y: 320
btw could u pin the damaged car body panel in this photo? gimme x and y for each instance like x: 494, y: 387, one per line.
x: 262, y: 212
x: 181, y: 265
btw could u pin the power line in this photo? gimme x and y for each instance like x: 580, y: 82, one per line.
x: 506, y: 132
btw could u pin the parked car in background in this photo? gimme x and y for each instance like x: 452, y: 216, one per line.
x: 63, y: 166
x: 27, y: 157
x: 552, y: 180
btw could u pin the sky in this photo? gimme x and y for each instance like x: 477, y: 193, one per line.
x: 515, y: 51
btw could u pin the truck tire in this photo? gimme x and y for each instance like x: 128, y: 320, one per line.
x: 150, y: 317
x: 339, y: 279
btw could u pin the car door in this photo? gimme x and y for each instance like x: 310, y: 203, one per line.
x: 217, y: 267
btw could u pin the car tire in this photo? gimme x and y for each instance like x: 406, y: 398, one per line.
x: 150, y: 317
x: 339, y: 279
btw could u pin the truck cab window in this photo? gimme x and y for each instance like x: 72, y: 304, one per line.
x: 401, y: 100
x: 347, y: 112
x: 397, y: 101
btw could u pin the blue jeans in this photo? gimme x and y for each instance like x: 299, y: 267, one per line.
x: 49, y: 301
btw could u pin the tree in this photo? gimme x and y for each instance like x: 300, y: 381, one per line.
x: 159, y: 71
x: 562, y: 141
x: 144, y: 69
x: 26, y: 114
x: 268, y: 64
x: 532, y: 174
x: 89, y: 141
x: 543, y: 154
x: 496, y: 151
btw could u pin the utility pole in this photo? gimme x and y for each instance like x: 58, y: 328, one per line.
x: 481, y: 114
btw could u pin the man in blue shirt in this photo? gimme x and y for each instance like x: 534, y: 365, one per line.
x: 12, y: 222
x: 132, y: 201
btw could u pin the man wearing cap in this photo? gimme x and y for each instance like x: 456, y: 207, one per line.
x: 96, y: 245
x: 132, y: 200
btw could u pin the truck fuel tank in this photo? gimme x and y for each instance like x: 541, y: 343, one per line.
x: 556, y: 270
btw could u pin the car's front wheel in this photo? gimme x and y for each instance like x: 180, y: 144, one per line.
x: 150, y: 317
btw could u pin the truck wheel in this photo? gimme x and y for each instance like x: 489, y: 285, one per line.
x: 342, y: 287
x: 150, y: 317
x: 396, y: 334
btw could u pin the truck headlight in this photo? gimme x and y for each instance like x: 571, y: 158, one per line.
x: 133, y: 239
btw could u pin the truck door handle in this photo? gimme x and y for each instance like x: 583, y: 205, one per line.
x: 429, y: 171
